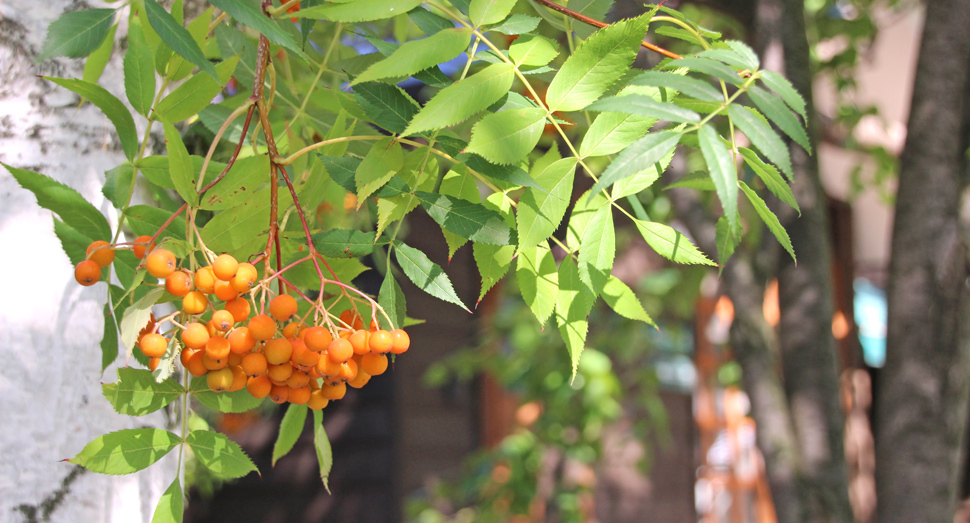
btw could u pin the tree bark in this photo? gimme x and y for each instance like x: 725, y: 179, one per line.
x: 922, y: 408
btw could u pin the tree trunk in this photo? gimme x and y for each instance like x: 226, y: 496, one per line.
x: 922, y: 408
x: 51, y: 327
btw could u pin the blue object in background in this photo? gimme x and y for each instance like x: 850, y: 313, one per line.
x: 870, y: 316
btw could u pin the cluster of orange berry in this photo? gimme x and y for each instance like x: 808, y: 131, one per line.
x: 267, y: 354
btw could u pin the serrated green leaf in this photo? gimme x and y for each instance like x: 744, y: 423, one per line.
x: 76, y: 34
x: 597, y: 63
x: 177, y: 37
x: 137, y: 316
x: 388, y: 105
x: 251, y: 15
x: 746, y: 53
x: 382, y: 162
x: 195, y: 93
x: 219, y: 454
x: 111, y: 107
x: 458, y: 183
x: 136, y: 393
x: 643, y: 179
x: 125, y: 451
x: 573, y: 303
x: 466, y: 219
x: 533, y: 50
x: 770, y: 176
x: 170, y: 508
x: 417, y: 55
x: 727, y: 56
x: 507, y: 137
x: 487, y: 12
x: 344, y: 243
x: 762, y: 136
x: 783, y: 88
x: 612, y: 132
x: 670, y: 243
x: 541, y: 211
x: 290, y: 429
x: 583, y: 210
x: 493, y: 262
x: 517, y: 24
x: 678, y: 82
x: 426, y: 274
x: 723, y: 172
x: 139, y: 72
x: 429, y: 23
x: 245, y: 177
x: 357, y: 11
x: 645, y: 106
x: 595, y: 9
x: 73, y: 242
x: 624, y: 302
x: 726, y: 240
x: 179, y: 68
x: 778, y: 112
x: 321, y: 443
x: 700, y: 181
x: 180, y: 165
x: 147, y: 219
x: 769, y: 218
x: 98, y: 60
x: 463, y: 99
x: 65, y: 201
x: 707, y: 66
x: 598, y: 249
x: 642, y: 154
x: 391, y: 299
x: 535, y: 270
x: 109, y: 340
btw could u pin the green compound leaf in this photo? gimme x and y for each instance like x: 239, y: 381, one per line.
x: 77, y: 34
x: 382, y: 162
x: 645, y: 106
x: 573, y: 303
x: 290, y: 429
x: 770, y: 176
x: 762, y: 136
x: 769, y: 218
x: 671, y: 244
x: 699, y: 181
x: 177, y: 37
x: 783, y: 88
x: 109, y: 340
x: 170, y: 508
x: 125, y: 451
x: 426, y: 274
x: 72, y: 208
x: 726, y: 240
x: 624, y: 302
x: 749, y: 57
x: 486, y: 12
x: 612, y: 132
x: 598, y: 249
x: 533, y: 50
x: 180, y: 165
x: 642, y: 154
x: 723, y: 172
x: 344, y: 243
x: 388, y: 105
x: 507, y: 137
x: 535, y: 269
x: 98, y: 60
x: 111, y: 107
x: 541, y: 211
x: 195, y: 94
x: 358, y: 11
x: 728, y: 57
x: 219, y: 454
x: 321, y: 443
x: 428, y: 22
x: 136, y: 393
x: 707, y: 66
x: 250, y: 15
x: 417, y: 55
x: 678, y: 82
x: 517, y: 24
x: 461, y: 100
x: 229, y: 402
x: 391, y: 298
x: 598, y: 63
x: 243, y: 179
x: 139, y: 71
x: 777, y: 112
x: 469, y: 220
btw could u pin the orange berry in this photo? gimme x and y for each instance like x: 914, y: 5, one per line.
x: 141, y: 246
x: 278, y: 350
x: 327, y: 368
x: 340, y: 350
x: 205, y: 280
x: 401, y: 341
x: 262, y: 327
x: 239, y: 308
x: 194, y: 303
x: 348, y: 370
x: 196, y: 364
x: 185, y: 354
x: 245, y: 277
x: 282, y: 307
x: 222, y: 320
x: 179, y: 283
x: 220, y: 380
x: 373, y: 364
x: 224, y: 267
x: 87, y: 273
x: 195, y: 335
x: 153, y: 363
x: 234, y: 359
x: 211, y: 363
x: 254, y: 364
x: 302, y: 356
x: 279, y: 393
x: 240, y: 341
x: 239, y: 378
x: 153, y: 345
x: 380, y: 342
x: 317, y: 400
x: 334, y: 392
x: 360, y: 340
x: 298, y: 379
x: 299, y: 395
x: 351, y: 318
x: 160, y: 263
x: 280, y: 372
x: 259, y: 386
x: 293, y: 329
x: 224, y: 291
x: 217, y: 348
x: 317, y: 338
x: 359, y: 380
x: 101, y: 252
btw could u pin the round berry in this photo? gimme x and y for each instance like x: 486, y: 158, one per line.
x: 262, y: 327
x: 194, y: 303
x: 240, y: 341
x: 278, y: 350
x: 179, y: 283
x: 259, y: 386
x: 220, y: 380
x: 160, y: 263
x: 224, y: 291
x: 401, y: 341
x: 141, y: 246
x: 205, y: 280
x: 340, y: 350
x: 239, y: 378
x: 239, y: 308
x: 282, y: 307
x: 153, y: 345
x: 360, y: 340
x: 381, y: 342
x: 101, y: 252
x: 195, y: 336
x: 87, y: 273
x: 222, y: 320
x: 317, y: 401
x: 279, y: 393
x: 373, y: 364
x: 224, y: 267
x: 334, y: 392
x: 359, y: 380
x: 298, y: 395
x: 317, y: 338
x: 245, y: 277
x: 254, y: 364
x: 217, y: 348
